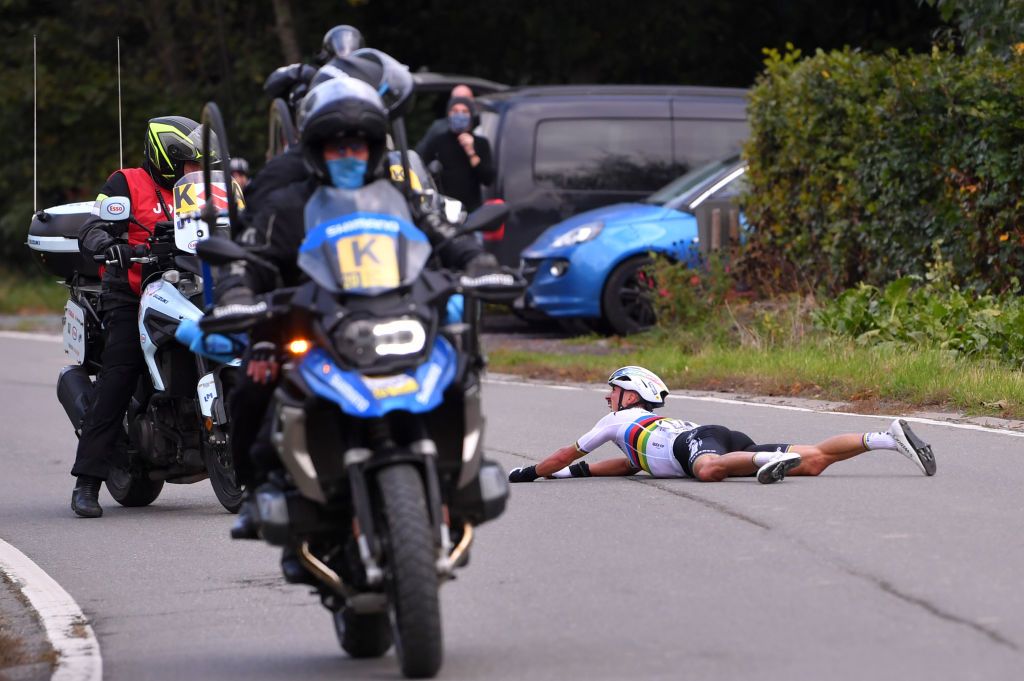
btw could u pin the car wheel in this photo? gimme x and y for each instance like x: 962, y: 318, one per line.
x: 627, y: 303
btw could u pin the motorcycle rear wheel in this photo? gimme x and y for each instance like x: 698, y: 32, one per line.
x: 411, y: 574
x: 132, y: 490
x: 223, y: 479
x: 363, y: 635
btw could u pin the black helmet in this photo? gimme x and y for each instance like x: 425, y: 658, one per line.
x: 396, y: 84
x: 170, y: 141
x: 339, y: 107
x: 341, y: 41
x: 239, y: 165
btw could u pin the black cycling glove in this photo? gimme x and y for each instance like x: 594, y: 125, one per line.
x: 527, y: 474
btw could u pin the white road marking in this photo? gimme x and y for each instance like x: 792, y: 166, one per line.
x: 24, y: 335
x: 786, y: 407
x: 67, y: 628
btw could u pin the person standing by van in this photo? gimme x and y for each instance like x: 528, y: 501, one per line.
x: 465, y: 158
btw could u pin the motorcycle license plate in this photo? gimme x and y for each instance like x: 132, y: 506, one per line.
x: 74, y: 332
x: 207, y: 391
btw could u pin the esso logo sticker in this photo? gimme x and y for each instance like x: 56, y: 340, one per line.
x: 192, y: 245
x: 116, y: 208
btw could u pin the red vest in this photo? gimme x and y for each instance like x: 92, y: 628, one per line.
x: 147, y: 209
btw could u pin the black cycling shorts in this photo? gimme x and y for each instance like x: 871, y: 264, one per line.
x: 716, y: 440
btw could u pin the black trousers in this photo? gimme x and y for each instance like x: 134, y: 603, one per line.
x: 251, y: 450
x: 102, y: 441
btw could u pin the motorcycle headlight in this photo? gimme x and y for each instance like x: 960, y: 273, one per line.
x: 578, y: 235
x: 363, y: 341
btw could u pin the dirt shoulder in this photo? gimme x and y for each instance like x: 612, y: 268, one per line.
x: 25, y: 651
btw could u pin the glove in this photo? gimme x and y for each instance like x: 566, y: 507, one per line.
x: 527, y: 474
x: 580, y: 470
x: 122, y: 254
x: 263, y: 364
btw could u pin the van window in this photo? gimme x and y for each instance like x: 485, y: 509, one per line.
x: 624, y: 154
x: 698, y: 141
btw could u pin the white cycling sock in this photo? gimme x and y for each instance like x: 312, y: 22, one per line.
x: 878, y: 441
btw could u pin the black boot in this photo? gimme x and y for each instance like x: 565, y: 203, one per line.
x: 85, y: 500
x: 293, y: 569
x: 246, y: 525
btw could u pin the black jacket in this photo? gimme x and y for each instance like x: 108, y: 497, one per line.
x: 458, y: 179
x: 277, y: 230
x: 280, y: 171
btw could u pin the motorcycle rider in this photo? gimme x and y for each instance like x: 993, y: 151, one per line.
x: 172, y: 148
x: 343, y: 124
x: 291, y: 83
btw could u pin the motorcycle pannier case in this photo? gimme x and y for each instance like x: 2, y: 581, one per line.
x: 53, y: 239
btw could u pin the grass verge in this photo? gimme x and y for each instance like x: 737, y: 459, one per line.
x: 869, y: 378
x: 30, y: 293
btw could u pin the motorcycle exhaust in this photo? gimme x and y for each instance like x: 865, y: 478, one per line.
x: 75, y: 390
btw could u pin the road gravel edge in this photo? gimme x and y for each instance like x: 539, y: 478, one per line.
x: 66, y: 626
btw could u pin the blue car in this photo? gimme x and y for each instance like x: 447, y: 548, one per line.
x: 591, y: 267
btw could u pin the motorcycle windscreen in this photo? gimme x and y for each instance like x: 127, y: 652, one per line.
x: 357, y: 251
x: 190, y: 198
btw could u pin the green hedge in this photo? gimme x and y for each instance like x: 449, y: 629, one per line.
x: 862, y: 166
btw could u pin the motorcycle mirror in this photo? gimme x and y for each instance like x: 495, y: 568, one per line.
x: 487, y: 217
x: 220, y: 251
x: 115, y: 208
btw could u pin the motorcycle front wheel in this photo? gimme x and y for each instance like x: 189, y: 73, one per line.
x: 411, y: 573
x: 223, y: 478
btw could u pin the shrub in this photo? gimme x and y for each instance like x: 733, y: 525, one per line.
x: 860, y: 163
x: 931, y: 312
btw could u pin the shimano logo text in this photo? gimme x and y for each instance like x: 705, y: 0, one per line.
x: 364, y: 224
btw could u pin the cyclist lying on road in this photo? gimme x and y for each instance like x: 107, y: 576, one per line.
x: 672, y: 448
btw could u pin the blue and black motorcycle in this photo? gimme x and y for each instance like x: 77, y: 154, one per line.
x: 377, y: 419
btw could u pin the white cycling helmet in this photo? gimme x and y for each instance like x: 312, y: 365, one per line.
x: 650, y: 388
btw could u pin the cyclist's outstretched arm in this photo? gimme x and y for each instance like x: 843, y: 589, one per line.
x: 610, y: 467
x: 559, y: 460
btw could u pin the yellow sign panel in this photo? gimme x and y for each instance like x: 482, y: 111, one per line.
x: 398, y: 176
x: 368, y: 261
x: 398, y: 385
x: 186, y: 198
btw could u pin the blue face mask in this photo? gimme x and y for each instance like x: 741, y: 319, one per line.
x: 347, y: 173
x: 459, y: 122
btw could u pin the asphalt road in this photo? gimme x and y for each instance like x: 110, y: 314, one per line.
x: 871, y: 571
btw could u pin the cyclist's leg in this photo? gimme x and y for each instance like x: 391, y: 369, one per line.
x: 816, y: 458
x: 708, y: 460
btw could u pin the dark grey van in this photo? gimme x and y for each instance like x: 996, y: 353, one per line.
x: 562, y: 150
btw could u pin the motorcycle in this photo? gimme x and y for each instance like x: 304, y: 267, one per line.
x: 176, y: 424
x: 377, y: 418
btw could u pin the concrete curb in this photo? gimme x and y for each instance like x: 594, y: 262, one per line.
x: 69, y: 631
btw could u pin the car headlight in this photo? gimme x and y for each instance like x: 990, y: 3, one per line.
x: 363, y: 341
x: 578, y: 235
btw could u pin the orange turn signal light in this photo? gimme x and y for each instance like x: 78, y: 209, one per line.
x: 299, y: 346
